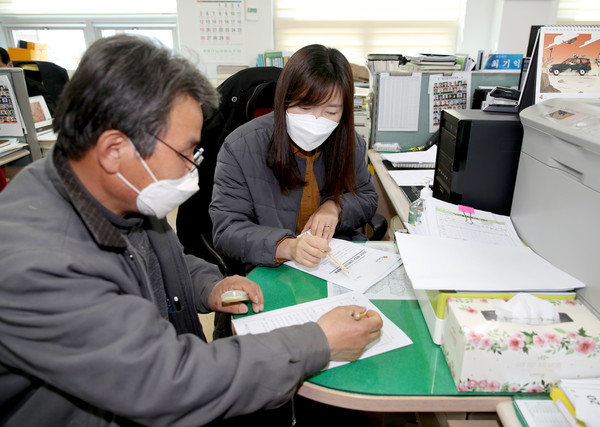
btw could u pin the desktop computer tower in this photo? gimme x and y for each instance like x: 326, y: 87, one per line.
x: 477, y: 159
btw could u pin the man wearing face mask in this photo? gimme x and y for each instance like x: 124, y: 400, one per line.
x: 98, y: 303
x: 299, y: 171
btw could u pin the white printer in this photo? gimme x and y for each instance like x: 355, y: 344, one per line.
x: 556, y: 202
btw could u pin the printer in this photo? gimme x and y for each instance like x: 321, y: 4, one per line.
x: 556, y: 201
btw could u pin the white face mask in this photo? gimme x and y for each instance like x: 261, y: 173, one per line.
x: 161, y: 197
x: 307, y: 131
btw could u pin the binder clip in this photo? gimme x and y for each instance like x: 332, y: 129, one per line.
x: 467, y: 210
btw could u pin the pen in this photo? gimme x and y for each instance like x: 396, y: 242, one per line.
x: 334, y: 259
x: 337, y: 261
x: 358, y: 316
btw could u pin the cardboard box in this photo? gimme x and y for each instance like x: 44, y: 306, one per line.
x: 433, y: 306
x: 37, y: 54
x: 485, y: 355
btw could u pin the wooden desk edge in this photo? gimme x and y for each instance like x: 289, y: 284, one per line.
x: 393, y: 191
x: 507, y: 415
x: 413, y: 403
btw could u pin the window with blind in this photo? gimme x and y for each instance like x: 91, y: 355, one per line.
x: 578, y: 12
x: 359, y: 27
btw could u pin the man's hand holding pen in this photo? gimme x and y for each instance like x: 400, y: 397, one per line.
x: 349, y: 329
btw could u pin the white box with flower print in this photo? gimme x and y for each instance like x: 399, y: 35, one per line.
x: 485, y: 355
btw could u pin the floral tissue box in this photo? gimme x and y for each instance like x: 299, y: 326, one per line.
x: 485, y: 355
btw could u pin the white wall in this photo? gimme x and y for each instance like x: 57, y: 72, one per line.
x: 258, y: 34
x: 502, y: 26
x: 495, y: 26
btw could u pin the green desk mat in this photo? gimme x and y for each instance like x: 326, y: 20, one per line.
x: 417, y: 369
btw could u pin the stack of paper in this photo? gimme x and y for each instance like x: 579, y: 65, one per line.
x: 434, y: 62
x: 579, y: 400
x: 478, y: 251
x: 8, y: 146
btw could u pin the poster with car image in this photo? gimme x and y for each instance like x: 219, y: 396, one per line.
x: 568, y: 62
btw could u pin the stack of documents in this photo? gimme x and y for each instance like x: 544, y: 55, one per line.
x: 428, y: 61
x: 412, y: 167
x: 10, y: 145
x: 578, y: 400
x: 478, y: 251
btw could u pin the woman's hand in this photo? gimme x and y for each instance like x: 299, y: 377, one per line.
x: 307, y: 250
x: 323, y: 221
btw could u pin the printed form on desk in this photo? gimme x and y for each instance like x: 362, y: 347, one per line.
x: 392, y: 337
x: 394, y: 286
x: 443, y: 219
x: 365, y: 264
x: 540, y: 413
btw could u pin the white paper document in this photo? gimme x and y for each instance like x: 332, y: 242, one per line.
x: 446, y: 220
x: 399, y: 98
x: 408, y: 177
x: 426, y: 156
x: 392, y: 336
x: 366, y: 266
x: 394, y: 286
x: 541, y: 413
x: 449, y: 264
x: 584, y: 395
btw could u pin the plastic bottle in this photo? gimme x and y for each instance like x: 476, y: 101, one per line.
x: 415, y: 211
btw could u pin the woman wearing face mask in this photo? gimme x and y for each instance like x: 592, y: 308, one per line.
x: 288, y: 182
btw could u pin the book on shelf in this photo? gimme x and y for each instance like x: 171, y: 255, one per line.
x: 11, y: 147
x: 272, y: 58
x: 417, y: 159
x: 432, y: 57
x: 434, y: 62
x: 378, y: 62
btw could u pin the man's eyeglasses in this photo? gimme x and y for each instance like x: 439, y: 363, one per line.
x: 197, y: 156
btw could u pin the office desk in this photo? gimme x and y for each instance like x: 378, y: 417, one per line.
x: 415, y: 378
x: 393, y: 192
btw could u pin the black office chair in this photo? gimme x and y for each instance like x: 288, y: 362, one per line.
x: 44, y: 78
x: 247, y: 94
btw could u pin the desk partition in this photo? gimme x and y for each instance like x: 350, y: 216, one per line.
x: 408, y: 139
